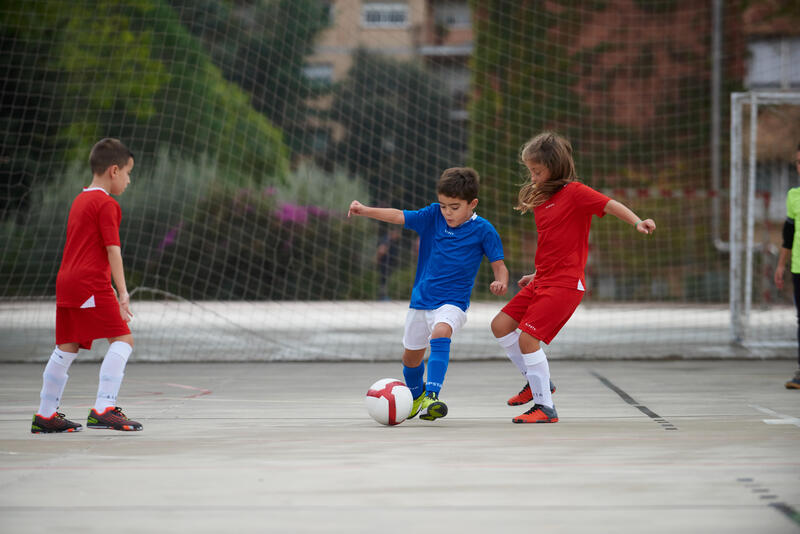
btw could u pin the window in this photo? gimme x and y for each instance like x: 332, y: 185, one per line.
x: 384, y: 15
x: 329, y: 12
x: 774, y: 63
x: 319, y: 74
x: 452, y: 14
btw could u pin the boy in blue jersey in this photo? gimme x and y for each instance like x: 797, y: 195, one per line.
x: 453, y: 242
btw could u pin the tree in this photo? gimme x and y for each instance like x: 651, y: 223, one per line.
x: 399, y: 137
x: 79, y: 71
x: 261, y: 47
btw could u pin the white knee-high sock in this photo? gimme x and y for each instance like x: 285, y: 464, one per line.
x: 54, y: 380
x: 539, y: 377
x: 510, y: 343
x: 111, y: 372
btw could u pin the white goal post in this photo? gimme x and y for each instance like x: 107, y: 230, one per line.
x: 743, y: 208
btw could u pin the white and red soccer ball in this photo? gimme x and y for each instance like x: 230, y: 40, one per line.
x: 389, y: 401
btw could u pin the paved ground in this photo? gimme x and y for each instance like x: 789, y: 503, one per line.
x: 664, y: 446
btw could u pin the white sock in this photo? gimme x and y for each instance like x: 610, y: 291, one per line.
x: 54, y: 380
x: 111, y: 372
x: 539, y: 377
x: 510, y: 343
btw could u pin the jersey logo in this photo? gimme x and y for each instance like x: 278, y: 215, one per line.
x: 448, y: 232
x: 550, y: 205
x: 89, y: 303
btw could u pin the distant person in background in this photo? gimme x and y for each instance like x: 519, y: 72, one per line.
x: 792, y: 246
x: 386, y: 258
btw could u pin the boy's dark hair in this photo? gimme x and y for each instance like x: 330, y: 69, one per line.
x: 459, y: 182
x: 108, y: 152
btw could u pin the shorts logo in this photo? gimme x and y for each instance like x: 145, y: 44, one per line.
x: 529, y: 325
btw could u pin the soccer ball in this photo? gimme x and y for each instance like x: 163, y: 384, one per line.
x: 389, y: 401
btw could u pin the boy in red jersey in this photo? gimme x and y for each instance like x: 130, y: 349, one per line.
x: 563, y: 208
x: 87, y: 307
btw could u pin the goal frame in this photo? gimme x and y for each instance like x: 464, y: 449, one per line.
x: 742, y: 205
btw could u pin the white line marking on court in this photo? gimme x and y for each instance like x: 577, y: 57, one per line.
x: 783, y: 419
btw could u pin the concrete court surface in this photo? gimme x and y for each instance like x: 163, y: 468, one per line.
x: 642, y: 447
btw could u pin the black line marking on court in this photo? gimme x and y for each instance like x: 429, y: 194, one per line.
x: 754, y: 487
x: 666, y: 425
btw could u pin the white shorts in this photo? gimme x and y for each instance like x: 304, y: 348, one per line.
x: 420, y: 323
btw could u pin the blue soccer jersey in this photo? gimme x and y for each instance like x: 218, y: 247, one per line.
x: 449, y: 258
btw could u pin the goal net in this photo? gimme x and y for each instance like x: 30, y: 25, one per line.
x: 762, y: 172
x: 254, y: 124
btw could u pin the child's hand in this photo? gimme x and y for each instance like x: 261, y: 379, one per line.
x: 648, y: 226
x: 356, y: 208
x: 525, y: 280
x: 498, y: 288
x: 125, y: 307
x: 779, y: 270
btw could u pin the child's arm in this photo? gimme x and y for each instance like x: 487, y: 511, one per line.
x: 500, y: 284
x: 118, y: 275
x: 779, y: 269
x: 622, y: 212
x: 389, y: 215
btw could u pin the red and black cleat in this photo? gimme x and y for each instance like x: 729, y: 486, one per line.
x: 525, y: 396
x: 538, y: 414
x: 112, y: 418
x: 55, y: 423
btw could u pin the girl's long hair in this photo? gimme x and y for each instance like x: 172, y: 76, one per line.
x: 555, y: 153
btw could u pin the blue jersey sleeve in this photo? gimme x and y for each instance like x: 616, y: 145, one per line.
x: 492, y: 244
x: 421, y: 220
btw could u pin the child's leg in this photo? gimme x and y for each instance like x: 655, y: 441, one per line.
x: 504, y: 328
x: 538, y: 370
x: 54, y: 378
x: 414, y: 371
x: 445, y: 321
x: 415, y: 343
x: 439, y: 357
x: 112, y: 371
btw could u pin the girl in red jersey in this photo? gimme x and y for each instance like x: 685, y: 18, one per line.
x: 563, y: 209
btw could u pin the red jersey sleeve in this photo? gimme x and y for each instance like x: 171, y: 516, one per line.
x: 590, y: 201
x: 109, y: 218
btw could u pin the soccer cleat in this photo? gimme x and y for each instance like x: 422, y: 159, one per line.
x: 538, y: 414
x: 416, y: 405
x: 525, y: 396
x: 113, y: 418
x: 794, y: 383
x: 431, y: 408
x: 55, y: 423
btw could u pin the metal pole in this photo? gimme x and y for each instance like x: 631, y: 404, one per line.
x: 750, y: 210
x: 736, y: 167
x: 716, y: 85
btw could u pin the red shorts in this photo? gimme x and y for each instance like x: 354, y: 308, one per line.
x: 543, y: 311
x: 84, y: 325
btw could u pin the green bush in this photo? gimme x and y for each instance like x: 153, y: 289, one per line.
x: 188, y: 232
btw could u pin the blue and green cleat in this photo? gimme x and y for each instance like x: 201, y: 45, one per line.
x: 431, y: 407
x: 416, y: 405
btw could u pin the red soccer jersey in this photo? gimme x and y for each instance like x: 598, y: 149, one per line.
x: 563, y: 223
x: 85, y: 272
